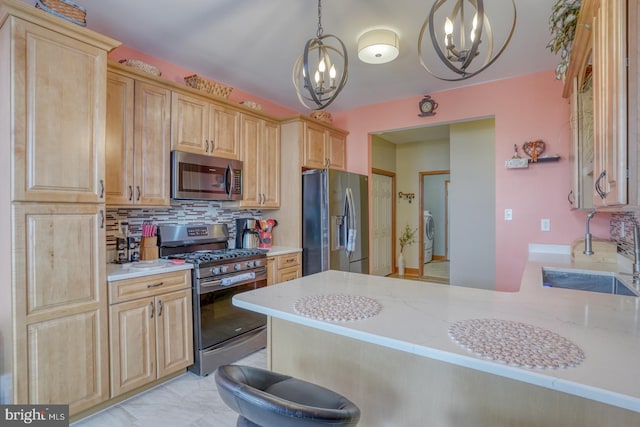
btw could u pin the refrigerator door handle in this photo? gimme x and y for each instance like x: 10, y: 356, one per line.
x: 337, y: 222
x: 351, y: 226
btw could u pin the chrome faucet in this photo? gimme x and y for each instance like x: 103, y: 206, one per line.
x: 588, y: 250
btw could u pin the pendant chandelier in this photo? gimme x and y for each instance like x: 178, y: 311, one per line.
x: 462, y: 37
x: 320, y: 73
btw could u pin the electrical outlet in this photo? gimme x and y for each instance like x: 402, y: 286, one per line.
x: 545, y: 224
x: 508, y: 214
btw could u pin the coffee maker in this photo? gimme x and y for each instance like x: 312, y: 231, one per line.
x: 246, y: 233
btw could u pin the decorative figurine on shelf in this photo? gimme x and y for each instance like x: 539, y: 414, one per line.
x: 427, y: 106
x: 515, y: 152
x: 533, y: 149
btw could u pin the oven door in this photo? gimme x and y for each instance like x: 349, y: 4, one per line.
x: 219, y: 319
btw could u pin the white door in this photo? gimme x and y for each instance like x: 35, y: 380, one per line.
x: 382, y: 203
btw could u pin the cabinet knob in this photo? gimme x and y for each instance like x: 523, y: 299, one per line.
x: 137, y: 193
x: 598, y: 186
x: 153, y: 309
x: 159, y: 307
x: 102, y: 188
x: 130, y: 193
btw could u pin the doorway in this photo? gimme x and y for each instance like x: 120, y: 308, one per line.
x: 434, y: 225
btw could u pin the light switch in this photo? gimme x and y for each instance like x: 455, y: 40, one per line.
x: 508, y: 214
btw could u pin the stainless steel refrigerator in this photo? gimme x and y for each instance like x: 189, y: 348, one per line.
x: 335, y: 222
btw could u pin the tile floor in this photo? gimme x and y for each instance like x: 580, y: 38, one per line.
x: 186, y: 401
x: 437, y: 269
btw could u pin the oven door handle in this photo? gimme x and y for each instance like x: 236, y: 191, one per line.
x: 235, y: 280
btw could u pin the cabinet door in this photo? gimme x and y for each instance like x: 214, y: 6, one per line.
x: 250, y: 134
x: 271, y: 271
x: 59, y: 93
x: 314, y: 146
x: 152, y: 144
x: 224, y: 132
x: 290, y: 273
x: 61, y: 347
x: 610, y: 104
x: 133, y: 345
x: 189, y: 124
x: 270, y: 165
x: 174, y: 332
x: 336, y: 150
x: 119, y: 185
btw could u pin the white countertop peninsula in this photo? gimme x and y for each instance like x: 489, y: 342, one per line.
x: 416, y: 316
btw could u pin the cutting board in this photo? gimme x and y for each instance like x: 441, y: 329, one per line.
x: 604, y: 251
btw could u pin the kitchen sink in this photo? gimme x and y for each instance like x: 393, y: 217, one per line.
x: 593, y: 281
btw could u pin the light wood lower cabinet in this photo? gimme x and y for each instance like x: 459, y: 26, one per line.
x: 282, y: 268
x: 60, y: 350
x: 150, y: 328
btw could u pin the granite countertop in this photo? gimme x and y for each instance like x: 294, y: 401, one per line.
x: 416, y: 316
x: 142, y: 268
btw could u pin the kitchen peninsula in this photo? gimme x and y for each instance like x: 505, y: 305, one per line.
x: 401, y: 367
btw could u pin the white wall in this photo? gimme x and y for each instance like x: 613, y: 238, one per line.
x: 411, y: 159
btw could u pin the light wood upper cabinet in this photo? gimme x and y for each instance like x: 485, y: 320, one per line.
x: 204, y: 127
x: 151, y: 329
x: 323, y: 147
x: 610, y: 103
x: 604, y: 41
x: 138, y: 142
x: 59, y: 115
x: 260, y: 139
x: 61, y: 351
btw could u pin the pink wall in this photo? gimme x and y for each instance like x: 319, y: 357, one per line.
x: 177, y: 74
x: 525, y: 108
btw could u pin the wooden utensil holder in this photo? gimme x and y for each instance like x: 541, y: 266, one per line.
x: 149, y: 248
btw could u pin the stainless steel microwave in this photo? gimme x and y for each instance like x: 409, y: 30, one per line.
x: 200, y: 177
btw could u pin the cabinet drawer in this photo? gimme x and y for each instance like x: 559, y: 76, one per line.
x: 288, y: 260
x: 289, y: 273
x: 140, y: 287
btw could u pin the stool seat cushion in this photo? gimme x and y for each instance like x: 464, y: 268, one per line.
x: 270, y: 399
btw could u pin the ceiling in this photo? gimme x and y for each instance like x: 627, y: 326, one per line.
x: 253, y: 44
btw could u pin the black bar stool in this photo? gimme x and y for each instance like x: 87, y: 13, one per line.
x: 267, y: 399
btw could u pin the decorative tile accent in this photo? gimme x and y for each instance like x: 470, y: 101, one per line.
x: 180, y: 212
x: 337, y: 307
x: 624, y: 240
x: 515, y: 344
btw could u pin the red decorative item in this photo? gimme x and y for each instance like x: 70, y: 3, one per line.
x: 533, y: 149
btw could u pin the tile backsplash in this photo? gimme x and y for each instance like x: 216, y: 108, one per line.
x: 621, y: 230
x: 180, y: 212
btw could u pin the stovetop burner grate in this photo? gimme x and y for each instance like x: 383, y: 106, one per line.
x: 200, y: 257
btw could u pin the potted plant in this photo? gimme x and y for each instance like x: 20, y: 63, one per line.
x: 407, y: 238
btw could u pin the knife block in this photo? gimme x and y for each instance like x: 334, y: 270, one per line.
x: 149, y: 248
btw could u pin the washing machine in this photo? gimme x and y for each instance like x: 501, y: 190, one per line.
x: 429, y: 234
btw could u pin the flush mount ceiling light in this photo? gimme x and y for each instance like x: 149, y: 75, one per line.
x: 462, y: 37
x: 320, y: 73
x: 378, y: 46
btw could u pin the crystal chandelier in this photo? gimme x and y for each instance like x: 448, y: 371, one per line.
x: 320, y: 73
x: 466, y: 58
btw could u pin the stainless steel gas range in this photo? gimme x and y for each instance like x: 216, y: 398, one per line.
x: 222, y: 332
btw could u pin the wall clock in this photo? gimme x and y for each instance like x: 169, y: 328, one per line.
x: 427, y: 106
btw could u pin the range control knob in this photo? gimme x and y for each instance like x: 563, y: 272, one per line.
x: 236, y: 267
x: 215, y: 270
x: 250, y: 264
x: 224, y: 268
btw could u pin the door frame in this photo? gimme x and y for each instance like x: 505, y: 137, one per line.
x: 392, y: 175
x: 421, y: 176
